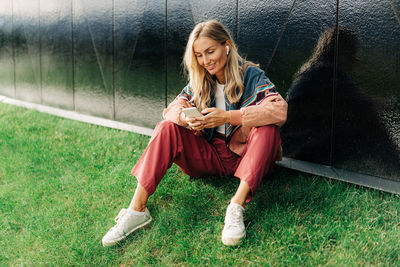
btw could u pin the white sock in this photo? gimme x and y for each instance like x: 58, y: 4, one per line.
x: 136, y: 212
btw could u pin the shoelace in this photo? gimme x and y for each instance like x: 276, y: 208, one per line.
x: 118, y: 220
x: 234, y: 215
x: 121, y: 213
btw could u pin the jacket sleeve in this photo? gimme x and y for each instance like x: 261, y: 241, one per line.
x: 272, y: 110
x: 265, y: 105
x: 173, y: 112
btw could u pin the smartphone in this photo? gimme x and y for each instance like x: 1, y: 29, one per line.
x: 192, y: 112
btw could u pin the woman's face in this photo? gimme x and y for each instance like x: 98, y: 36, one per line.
x: 211, y: 55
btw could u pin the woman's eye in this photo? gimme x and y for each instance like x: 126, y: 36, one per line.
x: 198, y: 55
x: 210, y: 52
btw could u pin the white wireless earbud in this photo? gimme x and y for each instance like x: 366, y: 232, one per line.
x: 227, y: 50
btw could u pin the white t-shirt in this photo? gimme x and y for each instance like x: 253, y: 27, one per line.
x: 220, y: 103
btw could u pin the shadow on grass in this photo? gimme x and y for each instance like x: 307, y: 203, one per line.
x: 283, y: 199
x: 186, y: 209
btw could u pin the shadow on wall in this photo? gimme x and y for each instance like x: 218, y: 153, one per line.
x: 354, y: 129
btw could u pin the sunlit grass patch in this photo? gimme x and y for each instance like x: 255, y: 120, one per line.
x: 62, y: 182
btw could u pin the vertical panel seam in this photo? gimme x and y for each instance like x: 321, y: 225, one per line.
x: 13, y: 47
x: 334, y: 84
x: 72, y: 55
x: 40, y: 57
x: 113, y: 59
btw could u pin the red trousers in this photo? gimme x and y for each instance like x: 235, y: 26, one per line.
x: 171, y: 143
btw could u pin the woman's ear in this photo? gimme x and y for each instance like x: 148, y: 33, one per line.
x: 227, y: 47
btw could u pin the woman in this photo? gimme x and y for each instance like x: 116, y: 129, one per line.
x: 238, y: 134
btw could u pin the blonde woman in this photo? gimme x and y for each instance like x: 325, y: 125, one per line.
x: 237, y: 133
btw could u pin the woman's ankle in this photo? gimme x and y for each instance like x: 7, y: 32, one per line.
x: 139, y: 199
x: 237, y: 201
x: 138, y: 208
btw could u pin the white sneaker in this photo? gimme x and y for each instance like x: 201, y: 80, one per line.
x: 234, y: 229
x: 127, y: 221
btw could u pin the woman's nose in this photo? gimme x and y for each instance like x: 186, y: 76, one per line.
x: 206, y: 59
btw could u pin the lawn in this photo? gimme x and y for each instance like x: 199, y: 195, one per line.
x: 62, y: 182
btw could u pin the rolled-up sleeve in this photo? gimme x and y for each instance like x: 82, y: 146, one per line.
x: 263, y: 104
x: 271, y: 110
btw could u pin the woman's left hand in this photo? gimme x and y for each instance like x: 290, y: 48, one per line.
x: 213, y: 117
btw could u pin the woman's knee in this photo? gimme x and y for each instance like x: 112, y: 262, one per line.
x: 166, y: 123
x: 163, y: 129
x: 267, y: 136
x: 165, y: 126
x: 266, y: 130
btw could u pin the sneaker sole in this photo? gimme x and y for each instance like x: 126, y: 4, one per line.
x: 232, y: 241
x: 107, y: 244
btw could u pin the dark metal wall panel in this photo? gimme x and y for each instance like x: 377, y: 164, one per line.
x: 261, y: 24
x: 180, y: 22
x: 307, y: 22
x: 302, y: 74
x: 224, y: 11
x: 7, y: 86
x: 367, y: 121
x: 27, y: 50
x: 139, y: 61
x: 56, y: 53
x: 92, y: 33
x: 121, y: 59
x: 182, y: 17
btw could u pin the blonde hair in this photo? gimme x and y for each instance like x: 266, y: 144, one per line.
x: 200, y: 80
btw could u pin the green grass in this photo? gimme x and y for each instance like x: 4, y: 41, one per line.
x: 62, y: 182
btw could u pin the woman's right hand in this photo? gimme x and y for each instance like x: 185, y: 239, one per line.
x: 195, y: 123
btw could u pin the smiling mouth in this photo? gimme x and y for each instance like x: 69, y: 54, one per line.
x: 210, y: 67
